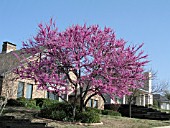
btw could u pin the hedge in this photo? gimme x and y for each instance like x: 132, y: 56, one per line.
x: 110, y: 112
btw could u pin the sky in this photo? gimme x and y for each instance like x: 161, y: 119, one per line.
x: 136, y: 21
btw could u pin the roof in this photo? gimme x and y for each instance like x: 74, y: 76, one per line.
x: 143, y: 90
x: 8, y: 61
x: 161, y: 98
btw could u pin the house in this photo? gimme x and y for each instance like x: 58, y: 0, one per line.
x: 142, y: 96
x: 162, y: 101
x: 10, y: 86
x: 14, y: 88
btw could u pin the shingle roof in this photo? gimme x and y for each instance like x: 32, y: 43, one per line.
x: 8, y: 61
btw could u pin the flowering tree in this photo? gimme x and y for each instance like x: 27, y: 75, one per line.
x: 100, y: 63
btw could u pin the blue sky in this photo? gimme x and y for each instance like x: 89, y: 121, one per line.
x: 136, y: 21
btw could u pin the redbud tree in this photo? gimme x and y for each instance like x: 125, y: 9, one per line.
x: 100, y: 63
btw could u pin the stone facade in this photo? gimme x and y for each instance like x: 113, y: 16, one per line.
x: 95, y: 102
x: 10, y: 88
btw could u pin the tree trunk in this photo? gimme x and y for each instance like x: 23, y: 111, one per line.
x: 85, y: 103
x: 130, y: 109
x: 74, y: 103
x: 82, y: 106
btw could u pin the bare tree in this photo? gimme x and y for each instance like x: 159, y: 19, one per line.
x: 8, y: 89
x: 167, y: 94
x: 160, y: 87
x: 157, y: 85
x: 7, y: 79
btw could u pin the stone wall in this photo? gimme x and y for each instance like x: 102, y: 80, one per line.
x: 97, y: 98
x: 10, y: 87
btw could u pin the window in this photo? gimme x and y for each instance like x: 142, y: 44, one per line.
x: 52, y: 96
x: 20, y: 91
x: 29, y: 91
x: 64, y: 96
x: 95, y: 105
x: 91, y: 103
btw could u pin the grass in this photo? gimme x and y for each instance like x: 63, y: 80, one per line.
x: 108, y: 121
x: 114, y: 122
x: 124, y: 122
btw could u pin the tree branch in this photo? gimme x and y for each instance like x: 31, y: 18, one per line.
x: 89, y: 98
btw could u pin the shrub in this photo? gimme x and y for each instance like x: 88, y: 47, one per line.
x: 58, y: 115
x: 22, y: 102
x: 31, y: 104
x: 63, y: 111
x: 45, y: 112
x: 65, y: 107
x: 61, y: 108
x: 113, y: 107
x: 110, y: 112
x: 93, y: 109
x: 13, y: 102
x: 47, y: 102
x: 88, y: 117
x: 39, y: 101
x: 21, y: 99
x: 44, y: 102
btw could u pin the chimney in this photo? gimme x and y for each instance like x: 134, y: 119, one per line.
x: 8, y: 47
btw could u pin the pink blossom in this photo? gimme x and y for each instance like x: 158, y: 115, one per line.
x: 97, y: 59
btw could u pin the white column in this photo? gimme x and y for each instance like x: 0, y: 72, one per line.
x: 150, y: 82
x: 143, y: 99
x: 140, y: 99
x: 124, y: 99
x: 67, y: 97
x: 149, y: 99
